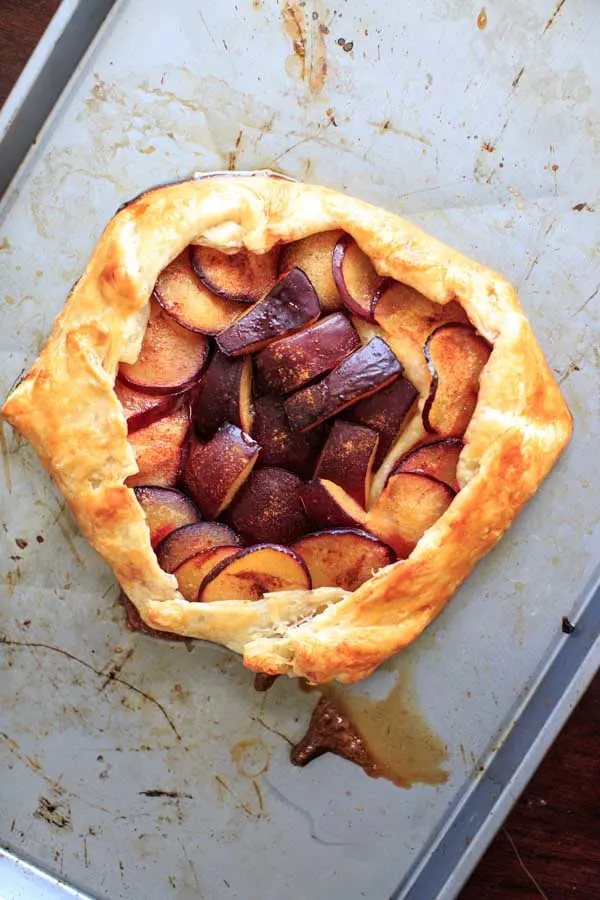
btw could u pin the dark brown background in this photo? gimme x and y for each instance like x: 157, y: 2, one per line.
x: 550, y: 844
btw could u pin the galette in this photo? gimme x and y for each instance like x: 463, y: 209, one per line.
x: 291, y: 422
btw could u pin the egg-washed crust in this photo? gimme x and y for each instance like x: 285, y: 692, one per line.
x: 67, y: 408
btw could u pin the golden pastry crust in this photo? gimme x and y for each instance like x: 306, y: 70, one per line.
x: 67, y: 409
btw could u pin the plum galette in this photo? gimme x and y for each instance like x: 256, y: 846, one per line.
x: 291, y: 422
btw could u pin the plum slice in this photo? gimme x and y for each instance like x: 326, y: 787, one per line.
x: 328, y: 505
x: 385, y: 412
x: 214, y: 472
x: 401, y: 308
x: 189, y: 540
x: 143, y: 409
x: 165, y: 509
x: 296, y: 451
x: 355, y: 278
x: 314, y: 254
x: 191, y: 573
x: 242, y: 276
x: 411, y: 503
x: 225, y: 394
x: 367, y: 370
x: 342, y: 557
x: 347, y: 459
x: 290, y: 305
x: 171, y: 358
x: 268, y: 508
x: 253, y: 572
x: 293, y: 362
x: 183, y: 296
x: 158, y: 450
x: 437, y: 458
x: 455, y: 355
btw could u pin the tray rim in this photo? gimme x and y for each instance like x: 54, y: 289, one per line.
x: 446, y: 862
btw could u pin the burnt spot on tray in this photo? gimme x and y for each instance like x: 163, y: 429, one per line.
x: 169, y: 795
x: 567, y: 625
x: 330, y: 731
x: 56, y: 813
x: 136, y: 623
x: 262, y: 681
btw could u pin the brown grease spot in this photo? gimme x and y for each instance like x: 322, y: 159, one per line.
x: 308, y: 61
x: 489, y: 148
x: 251, y: 757
x: 388, y: 738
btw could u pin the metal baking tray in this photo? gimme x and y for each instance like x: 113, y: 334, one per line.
x: 139, y: 769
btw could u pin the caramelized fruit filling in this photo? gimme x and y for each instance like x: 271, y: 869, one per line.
x: 269, y: 392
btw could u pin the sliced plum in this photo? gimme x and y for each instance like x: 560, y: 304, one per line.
x: 225, y: 394
x: 410, y: 503
x: 328, y: 505
x: 290, y: 305
x: 142, y: 409
x: 367, y: 370
x: 171, y: 358
x: 254, y: 572
x: 456, y: 356
x: 437, y: 458
x: 189, y: 540
x: 158, y: 450
x: 215, y: 471
x: 293, y: 362
x: 314, y: 255
x: 355, y: 277
x: 183, y: 296
x: 242, y: 276
x: 347, y: 459
x: 342, y: 557
x: 268, y: 508
x: 166, y: 510
x: 191, y: 573
x: 385, y: 412
x: 296, y: 451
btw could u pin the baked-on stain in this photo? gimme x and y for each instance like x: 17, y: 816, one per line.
x: 262, y: 681
x: 251, y: 757
x: 308, y: 61
x: 482, y: 20
x: 136, y: 623
x: 550, y: 21
x: 57, y: 814
x: 169, y: 795
x: 5, y: 459
x: 518, y: 77
x: 387, y: 125
x: 388, y: 738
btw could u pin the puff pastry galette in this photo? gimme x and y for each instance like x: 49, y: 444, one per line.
x: 291, y: 422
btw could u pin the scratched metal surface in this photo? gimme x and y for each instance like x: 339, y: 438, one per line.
x: 123, y: 759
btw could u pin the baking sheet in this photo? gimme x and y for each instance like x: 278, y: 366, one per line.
x: 124, y: 753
